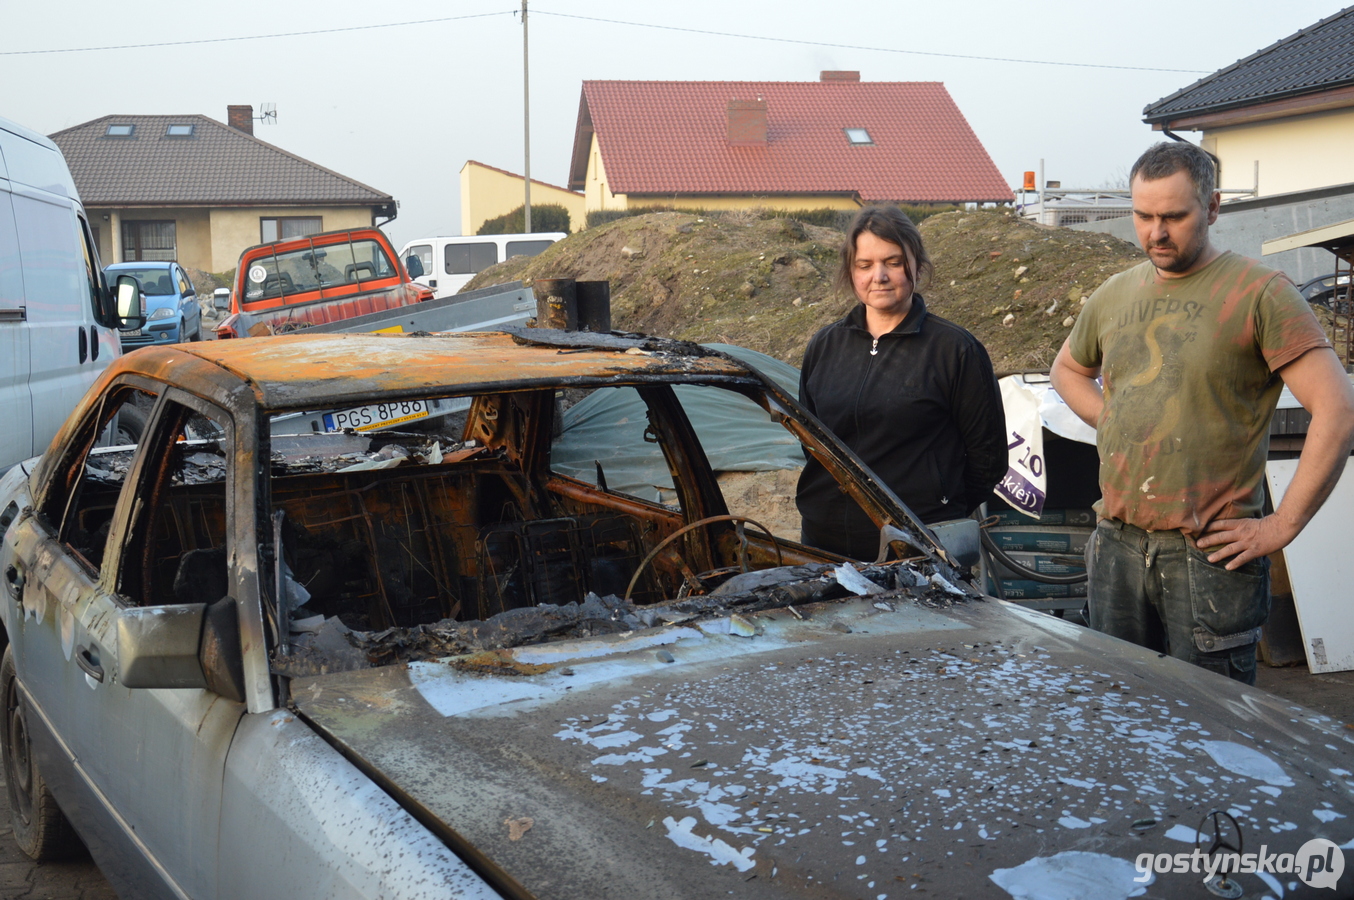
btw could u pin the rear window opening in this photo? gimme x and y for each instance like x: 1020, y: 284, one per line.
x: 312, y: 269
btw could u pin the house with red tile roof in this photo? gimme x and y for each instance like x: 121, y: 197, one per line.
x: 836, y: 143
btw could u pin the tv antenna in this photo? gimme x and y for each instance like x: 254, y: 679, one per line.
x: 267, y: 113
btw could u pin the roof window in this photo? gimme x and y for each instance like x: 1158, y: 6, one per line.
x: 179, y: 130
x: 858, y: 136
x: 119, y: 130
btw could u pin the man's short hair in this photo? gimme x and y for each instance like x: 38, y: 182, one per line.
x: 1168, y: 157
x: 891, y: 224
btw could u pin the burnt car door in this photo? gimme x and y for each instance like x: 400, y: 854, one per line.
x: 119, y: 534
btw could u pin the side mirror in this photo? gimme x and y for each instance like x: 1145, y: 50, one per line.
x: 190, y: 645
x: 127, y: 299
x: 158, y: 646
x: 414, y: 265
x: 221, y: 299
x: 960, y: 539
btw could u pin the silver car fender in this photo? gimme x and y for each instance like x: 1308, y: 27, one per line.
x: 300, y: 821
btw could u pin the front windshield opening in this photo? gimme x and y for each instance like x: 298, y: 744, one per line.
x: 424, y: 518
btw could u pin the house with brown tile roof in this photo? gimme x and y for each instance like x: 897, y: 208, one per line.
x: 834, y: 143
x: 192, y: 189
x: 1280, y: 120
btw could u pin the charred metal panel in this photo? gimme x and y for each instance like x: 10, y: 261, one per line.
x: 294, y: 371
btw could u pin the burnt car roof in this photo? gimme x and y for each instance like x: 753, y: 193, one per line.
x: 312, y: 371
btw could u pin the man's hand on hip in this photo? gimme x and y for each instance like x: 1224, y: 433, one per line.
x: 1245, y: 539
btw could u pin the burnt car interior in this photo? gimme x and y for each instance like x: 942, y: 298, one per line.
x: 461, y: 520
x: 474, y: 523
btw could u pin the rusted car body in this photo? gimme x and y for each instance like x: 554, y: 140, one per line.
x: 287, y: 285
x: 415, y: 663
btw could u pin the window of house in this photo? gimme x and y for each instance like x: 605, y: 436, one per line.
x: 119, y: 130
x: 179, y: 130
x: 858, y: 136
x: 280, y: 228
x: 149, y: 241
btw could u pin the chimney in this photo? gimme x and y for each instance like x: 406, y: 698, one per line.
x: 241, y: 118
x: 829, y: 75
x: 747, y: 123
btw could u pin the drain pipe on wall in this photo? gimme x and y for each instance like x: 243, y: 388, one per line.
x: 1217, y: 166
x: 1217, y: 163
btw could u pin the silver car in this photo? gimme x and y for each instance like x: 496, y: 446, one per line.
x: 404, y: 654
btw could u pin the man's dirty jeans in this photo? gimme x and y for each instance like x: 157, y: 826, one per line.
x: 1155, y: 589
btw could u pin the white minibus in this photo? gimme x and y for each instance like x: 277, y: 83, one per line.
x: 450, y: 262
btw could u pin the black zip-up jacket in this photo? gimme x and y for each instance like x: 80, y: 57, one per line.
x: 920, y: 406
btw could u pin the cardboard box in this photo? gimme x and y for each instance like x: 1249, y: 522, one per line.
x: 1021, y: 589
x: 1078, y: 517
x: 1040, y: 538
x: 1043, y: 563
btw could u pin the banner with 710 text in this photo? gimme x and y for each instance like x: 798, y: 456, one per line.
x: 1024, y: 484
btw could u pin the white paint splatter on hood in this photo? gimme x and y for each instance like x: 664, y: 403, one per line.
x: 1073, y: 875
x: 1247, y: 761
x: 683, y: 835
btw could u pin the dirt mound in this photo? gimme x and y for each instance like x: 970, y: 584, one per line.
x: 759, y: 283
x: 1016, y: 285
x: 766, y: 283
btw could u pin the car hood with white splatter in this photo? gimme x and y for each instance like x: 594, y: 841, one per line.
x: 868, y: 748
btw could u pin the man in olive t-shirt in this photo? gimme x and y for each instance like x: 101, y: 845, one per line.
x: 1195, y: 346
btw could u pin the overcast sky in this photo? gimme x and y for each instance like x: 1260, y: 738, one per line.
x: 402, y: 108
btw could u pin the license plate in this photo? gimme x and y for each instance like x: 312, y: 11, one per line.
x: 378, y: 415
x: 131, y: 332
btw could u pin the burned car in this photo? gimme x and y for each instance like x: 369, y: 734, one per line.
x: 338, y: 626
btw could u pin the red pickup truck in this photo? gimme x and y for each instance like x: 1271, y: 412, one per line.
x: 288, y: 285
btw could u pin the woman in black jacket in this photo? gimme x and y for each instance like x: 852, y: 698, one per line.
x: 911, y: 393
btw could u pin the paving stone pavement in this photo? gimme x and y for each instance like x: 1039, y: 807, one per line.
x: 22, y: 879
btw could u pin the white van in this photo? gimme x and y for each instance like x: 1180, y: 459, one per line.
x: 58, y: 328
x: 450, y: 262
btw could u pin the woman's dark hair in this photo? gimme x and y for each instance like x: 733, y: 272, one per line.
x: 891, y: 224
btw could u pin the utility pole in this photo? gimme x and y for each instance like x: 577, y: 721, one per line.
x: 526, y: 121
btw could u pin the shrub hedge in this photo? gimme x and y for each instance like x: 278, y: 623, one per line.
x: 545, y: 217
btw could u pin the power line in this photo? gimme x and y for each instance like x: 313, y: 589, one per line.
x: 513, y: 12
x: 760, y: 37
x: 257, y: 37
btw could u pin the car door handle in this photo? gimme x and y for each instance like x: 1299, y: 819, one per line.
x: 14, y: 580
x: 84, y: 346
x: 86, y: 662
